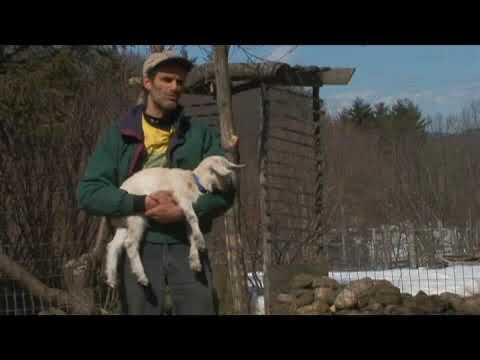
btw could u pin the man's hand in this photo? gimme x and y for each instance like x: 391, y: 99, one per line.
x: 159, y: 198
x: 162, y: 208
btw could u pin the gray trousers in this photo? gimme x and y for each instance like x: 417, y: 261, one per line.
x: 167, y: 265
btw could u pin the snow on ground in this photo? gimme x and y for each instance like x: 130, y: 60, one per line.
x: 463, y: 280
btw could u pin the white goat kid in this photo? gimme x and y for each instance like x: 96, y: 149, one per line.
x: 213, y: 173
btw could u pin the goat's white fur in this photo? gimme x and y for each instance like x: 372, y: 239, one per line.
x: 214, y: 172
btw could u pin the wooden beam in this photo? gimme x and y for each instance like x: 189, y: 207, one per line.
x: 201, y: 78
x: 245, y: 86
x: 237, y: 72
x: 338, y: 76
x: 273, y: 74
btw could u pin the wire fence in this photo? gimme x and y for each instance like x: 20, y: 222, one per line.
x: 396, y: 247
x: 50, y: 271
x: 431, y: 259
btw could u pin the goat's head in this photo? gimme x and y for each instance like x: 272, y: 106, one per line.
x: 217, y: 173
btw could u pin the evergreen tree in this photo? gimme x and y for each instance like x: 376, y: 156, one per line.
x: 406, y: 118
x: 361, y: 114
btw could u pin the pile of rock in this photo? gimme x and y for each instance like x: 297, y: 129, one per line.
x: 52, y: 311
x: 309, y: 295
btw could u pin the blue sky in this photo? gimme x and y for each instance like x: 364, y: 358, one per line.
x: 439, y: 79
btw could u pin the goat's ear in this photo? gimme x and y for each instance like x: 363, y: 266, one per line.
x: 235, y: 166
x: 221, y: 170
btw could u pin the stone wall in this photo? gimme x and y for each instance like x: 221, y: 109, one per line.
x: 314, y: 295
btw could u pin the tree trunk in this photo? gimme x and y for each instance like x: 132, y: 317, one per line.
x: 236, y: 264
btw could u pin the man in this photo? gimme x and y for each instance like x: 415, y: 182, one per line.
x: 157, y: 133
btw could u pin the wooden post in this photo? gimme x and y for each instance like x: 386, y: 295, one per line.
x: 236, y: 264
x: 343, y: 234
x: 264, y: 213
x: 468, y: 232
x: 455, y: 242
x: 412, y: 248
x: 439, y: 242
x: 374, y: 248
x: 477, y: 240
x: 387, y: 241
x: 319, y: 160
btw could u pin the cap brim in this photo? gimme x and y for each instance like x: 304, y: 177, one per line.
x: 178, y: 60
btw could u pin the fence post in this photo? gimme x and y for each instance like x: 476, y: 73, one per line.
x: 468, y: 230
x: 386, y: 250
x: 440, y: 242
x: 374, y: 244
x: 455, y: 241
x: 477, y: 241
x: 412, y: 249
x: 343, y: 235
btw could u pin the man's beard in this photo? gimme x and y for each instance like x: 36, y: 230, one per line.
x: 166, y: 105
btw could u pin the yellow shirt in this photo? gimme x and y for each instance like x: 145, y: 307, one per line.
x: 156, y: 143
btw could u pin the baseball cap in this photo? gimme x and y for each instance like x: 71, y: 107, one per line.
x: 163, y: 57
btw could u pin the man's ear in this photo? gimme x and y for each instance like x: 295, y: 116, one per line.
x: 147, y: 83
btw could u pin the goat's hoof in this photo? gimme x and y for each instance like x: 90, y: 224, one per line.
x: 195, y: 265
x: 143, y: 281
x: 200, y: 240
x: 201, y: 245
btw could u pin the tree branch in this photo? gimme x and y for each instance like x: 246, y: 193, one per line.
x: 59, y: 297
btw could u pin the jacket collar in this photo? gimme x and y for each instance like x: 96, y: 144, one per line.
x: 131, y: 123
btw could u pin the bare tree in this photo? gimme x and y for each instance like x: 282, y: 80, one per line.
x: 47, y: 245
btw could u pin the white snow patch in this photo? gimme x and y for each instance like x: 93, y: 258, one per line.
x: 463, y: 280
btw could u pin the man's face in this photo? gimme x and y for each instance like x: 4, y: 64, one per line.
x: 166, y: 88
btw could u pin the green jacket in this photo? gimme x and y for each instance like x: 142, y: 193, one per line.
x: 121, y: 152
